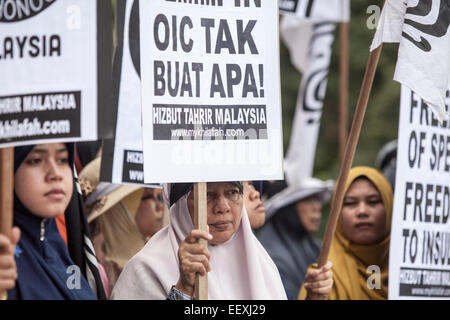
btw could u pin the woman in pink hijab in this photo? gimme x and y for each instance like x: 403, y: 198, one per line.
x: 237, y: 265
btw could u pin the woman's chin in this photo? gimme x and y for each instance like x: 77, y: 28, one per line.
x: 50, y: 212
x: 220, y: 237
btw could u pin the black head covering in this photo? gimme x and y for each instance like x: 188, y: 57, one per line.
x: 20, y: 153
x: 87, y: 151
x: 271, y: 188
x: 258, y: 185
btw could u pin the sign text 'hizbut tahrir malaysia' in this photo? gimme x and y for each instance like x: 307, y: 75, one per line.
x: 51, y: 81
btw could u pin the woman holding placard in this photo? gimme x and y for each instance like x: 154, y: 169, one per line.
x: 237, y: 265
x: 360, y: 248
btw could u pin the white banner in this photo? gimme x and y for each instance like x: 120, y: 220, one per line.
x: 310, y: 47
x: 123, y: 160
x: 317, y: 10
x: 210, y: 91
x: 123, y: 156
x: 422, y: 29
x: 419, y: 260
x: 49, y: 72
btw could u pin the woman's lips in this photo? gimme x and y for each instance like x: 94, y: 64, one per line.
x: 260, y: 208
x: 55, y: 194
x: 363, y: 225
x: 221, y: 226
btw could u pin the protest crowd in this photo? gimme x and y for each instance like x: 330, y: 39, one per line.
x: 181, y: 190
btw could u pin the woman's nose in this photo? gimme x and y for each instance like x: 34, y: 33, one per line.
x: 53, y: 171
x: 362, y: 208
x: 222, y: 205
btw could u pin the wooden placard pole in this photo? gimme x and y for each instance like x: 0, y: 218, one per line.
x: 6, y: 190
x: 200, y: 222
x: 350, y: 149
x: 343, y: 88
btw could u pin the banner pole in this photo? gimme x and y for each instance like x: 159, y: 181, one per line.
x: 200, y: 223
x: 343, y: 89
x: 349, y: 154
x: 6, y: 190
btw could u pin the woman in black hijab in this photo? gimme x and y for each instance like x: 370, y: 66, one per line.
x: 293, y: 216
x: 44, y: 187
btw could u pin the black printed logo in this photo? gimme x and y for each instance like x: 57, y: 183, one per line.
x: 133, y: 37
x: 437, y: 29
x: 288, y: 5
x: 18, y: 10
x: 317, y: 75
x: 292, y: 5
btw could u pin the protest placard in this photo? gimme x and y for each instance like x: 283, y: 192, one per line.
x: 122, y: 156
x: 419, y: 260
x: 210, y: 90
x: 55, y: 62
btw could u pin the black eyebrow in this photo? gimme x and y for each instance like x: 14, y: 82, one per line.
x: 42, y: 150
x: 37, y: 150
x: 366, y: 197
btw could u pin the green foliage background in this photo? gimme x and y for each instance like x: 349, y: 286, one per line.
x: 381, y: 120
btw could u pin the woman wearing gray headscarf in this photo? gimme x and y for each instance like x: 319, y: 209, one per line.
x: 293, y: 216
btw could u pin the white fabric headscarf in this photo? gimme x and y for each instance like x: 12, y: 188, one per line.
x: 241, y: 269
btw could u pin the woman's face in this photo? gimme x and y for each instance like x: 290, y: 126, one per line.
x: 149, y: 217
x: 44, y: 180
x: 253, y: 204
x: 309, y: 211
x: 224, y: 207
x: 363, y: 213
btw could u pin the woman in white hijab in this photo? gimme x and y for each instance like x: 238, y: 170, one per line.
x: 238, y: 267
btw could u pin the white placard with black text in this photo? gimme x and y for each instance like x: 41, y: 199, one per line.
x: 419, y: 259
x: 49, y: 71
x: 210, y: 91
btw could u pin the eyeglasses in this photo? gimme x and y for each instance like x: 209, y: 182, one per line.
x: 233, y: 195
